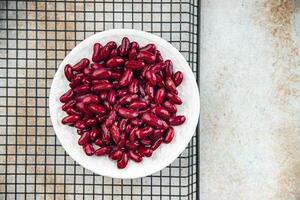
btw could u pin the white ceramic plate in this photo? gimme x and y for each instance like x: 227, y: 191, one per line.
x: 166, y: 153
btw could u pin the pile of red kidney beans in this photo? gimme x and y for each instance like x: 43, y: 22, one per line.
x: 123, y: 103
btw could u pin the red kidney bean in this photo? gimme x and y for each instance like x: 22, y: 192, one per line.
x: 102, y: 151
x: 80, y: 125
x: 113, y: 53
x: 145, y: 151
x: 122, y: 124
x: 82, y: 89
x: 156, y: 144
x: 159, y: 58
x: 94, y: 133
x: 151, y: 78
x: 144, y: 132
x: 83, y: 109
x: 134, y: 156
x: 147, y: 99
x: 115, y: 133
x: 128, y: 113
x: 97, y: 109
x: 70, y: 119
x: 84, y: 138
x: 91, y: 122
x: 89, y: 149
x: 144, y: 111
x: 116, y: 155
x: 107, y: 105
x: 72, y: 111
x: 132, y: 54
x: 96, y: 66
x: 143, y: 71
x: 169, y: 135
x: 170, y: 85
x: 132, y: 134
x: 111, y: 118
x: 111, y: 97
x: 111, y: 45
x: 142, y: 90
x: 178, y: 77
x: 68, y: 105
x: 76, y: 80
x: 99, y: 142
x: 122, y: 141
x: 101, y: 87
x: 105, y: 134
x: 133, y: 86
x: 136, y: 122
x: 128, y: 128
x: 101, y: 73
x: 134, y: 64
x: 115, y: 75
x: 149, y: 47
x: 134, y: 45
x: 174, y: 98
x: 160, y: 95
x: 149, y: 91
x: 138, y: 105
x: 122, y: 163
x: 68, y: 72
x: 105, y: 51
x: 146, y: 141
x: 96, y: 82
x: 67, y: 96
x: 78, y: 67
x: 152, y: 120
x: 90, y: 98
x: 125, y: 45
x: 126, y: 77
x: 170, y: 107
x: 96, y: 52
x: 80, y: 132
x: 103, y: 95
x: 158, y: 67
x: 161, y: 112
x: 86, y: 81
x: 177, y: 120
x: 128, y: 99
x: 101, y: 118
x: 169, y: 68
x: 121, y: 92
x: 87, y: 71
x: 146, y: 56
x: 132, y: 145
x: 115, y: 62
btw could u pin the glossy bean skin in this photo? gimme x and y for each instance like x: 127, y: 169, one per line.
x: 170, y: 107
x: 116, y: 155
x: 87, y: 71
x: 89, y: 149
x: 169, y: 68
x: 99, y: 142
x: 78, y: 67
x: 115, y: 133
x: 131, y: 132
x: 156, y: 144
x: 122, y: 163
x: 103, y: 151
x: 158, y: 67
x: 154, y: 121
x: 97, y: 109
x: 173, y: 98
x: 68, y: 105
x: 132, y: 54
x: 128, y: 99
x: 125, y: 45
x: 101, y: 118
x: 122, y: 141
x: 170, y: 85
x: 132, y: 145
x: 96, y: 52
x: 145, y: 151
x: 169, y: 135
x: 111, y: 118
x: 149, y: 91
x: 111, y: 45
x: 133, y: 87
x: 134, y: 45
x: 104, y: 54
x: 158, y: 58
x: 115, y: 62
x: 161, y: 112
x: 103, y: 95
x: 113, y: 53
x: 178, y: 77
x: 84, y: 138
x: 70, y: 119
x: 91, y: 122
x: 135, y: 64
x: 122, y: 124
x: 106, y: 105
x: 72, y: 111
x: 149, y: 47
x: 101, y: 87
x: 101, y: 73
x: 136, y: 122
x: 144, y: 132
x: 82, y: 89
x: 96, y: 66
x: 134, y: 156
x: 83, y: 109
x: 160, y: 95
x: 105, y: 134
x: 138, y: 105
x: 146, y: 141
x: 111, y: 97
x: 159, y: 81
x: 67, y: 96
x: 177, y: 120
x: 94, y: 134
x: 90, y: 98
x: 68, y: 72
x: 151, y: 78
x: 126, y: 77
x: 116, y: 75
x: 127, y: 113
x: 80, y: 125
x: 76, y: 81
x: 146, y: 56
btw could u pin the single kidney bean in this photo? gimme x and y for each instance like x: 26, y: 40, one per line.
x: 144, y: 70
x: 96, y: 66
x: 111, y: 45
x: 156, y: 144
x: 134, y: 156
x: 94, y: 134
x: 83, y: 109
x: 113, y: 53
x: 101, y: 118
x: 101, y: 73
x: 104, y: 54
x: 132, y: 145
x: 132, y: 54
x: 158, y: 67
x: 115, y: 62
x: 132, y: 134
x: 152, y: 120
x: 97, y: 109
x: 151, y: 78
x: 177, y: 120
x: 121, y: 92
x: 103, y: 151
x: 80, y: 125
x: 149, y: 90
x: 170, y: 107
x: 78, y: 67
x: 96, y: 52
x: 111, y: 97
x: 122, y: 163
x: 128, y: 99
x: 128, y: 113
x: 99, y: 142
x: 90, y: 98
x: 178, y: 77
x: 70, y: 119
x: 68, y: 105
x: 101, y: 87
x: 134, y: 45
x: 142, y: 90
x: 170, y: 85
x: 115, y: 75
x: 174, y: 98
x: 105, y: 134
x: 136, y: 122
x: 169, y: 135
x: 91, y: 122
x: 76, y: 80
x: 160, y: 95
x: 96, y: 82
x: 88, y: 149
x: 115, y: 133
x: 138, y: 105
x: 149, y: 47
x: 161, y: 112
x: 116, y: 155
x: 135, y: 64
x: 103, y: 95
x: 133, y: 86
x: 145, y: 151
x: 146, y: 141
x: 86, y: 81
x: 72, y: 111
x: 84, y: 138
x: 144, y: 132
x: 126, y: 77
x: 169, y: 68
x: 122, y: 141
x: 111, y: 118
x: 107, y: 105
x: 158, y: 133
x: 125, y: 45
x: 159, y: 58
x: 82, y: 89
x: 146, y: 56
x: 68, y: 72
x: 67, y: 96
x: 87, y: 71
x: 122, y: 124
x: 128, y: 128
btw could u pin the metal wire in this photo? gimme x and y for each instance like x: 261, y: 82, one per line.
x: 34, y: 38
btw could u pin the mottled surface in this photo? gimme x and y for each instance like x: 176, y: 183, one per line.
x: 250, y: 100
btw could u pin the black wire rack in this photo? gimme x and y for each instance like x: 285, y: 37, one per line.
x: 34, y: 38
